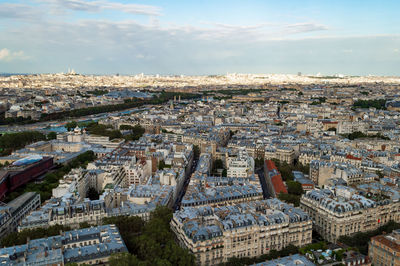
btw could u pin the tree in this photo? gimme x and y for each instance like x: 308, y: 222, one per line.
x: 19, y: 238
x: 294, y: 187
x: 218, y: 164
x: 136, y: 132
x: 196, y: 152
x: 285, y: 169
x: 162, y: 165
x: 84, y: 225
x: 125, y: 127
x: 92, y: 194
x: 71, y: 125
x: 376, y: 103
x: 290, y: 198
x: 103, y: 130
x: 380, y: 174
x: 358, y: 135
x: 315, y: 246
x: 259, y: 163
x: 124, y: 259
x: 224, y: 173
x: 150, y: 243
x: 273, y: 254
x: 97, y: 92
x: 52, y: 135
x: 360, y: 240
x: 12, y: 141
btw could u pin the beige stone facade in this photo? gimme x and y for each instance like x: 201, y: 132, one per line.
x: 334, y: 217
x: 250, y: 229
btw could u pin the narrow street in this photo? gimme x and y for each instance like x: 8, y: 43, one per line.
x: 178, y: 201
x: 263, y: 183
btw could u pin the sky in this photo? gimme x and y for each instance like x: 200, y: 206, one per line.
x: 200, y: 37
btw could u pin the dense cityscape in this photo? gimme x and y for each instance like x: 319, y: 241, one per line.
x: 200, y: 170
x: 199, y: 133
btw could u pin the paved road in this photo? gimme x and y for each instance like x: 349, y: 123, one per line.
x: 178, y: 201
x: 263, y: 182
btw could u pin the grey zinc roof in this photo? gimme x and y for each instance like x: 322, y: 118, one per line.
x: 206, y: 222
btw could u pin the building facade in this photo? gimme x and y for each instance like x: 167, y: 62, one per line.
x: 92, y: 246
x: 342, y: 211
x: 248, y: 229
x: 384, y: 250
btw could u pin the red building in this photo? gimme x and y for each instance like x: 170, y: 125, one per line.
x: 273, y: 174
x: 14, y: 176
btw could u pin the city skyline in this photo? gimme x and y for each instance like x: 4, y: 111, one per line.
x: 155, y: 37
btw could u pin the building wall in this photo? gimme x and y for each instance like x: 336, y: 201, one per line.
x: 250, y: 241
x: 331, y: 225
x: 383, y: 252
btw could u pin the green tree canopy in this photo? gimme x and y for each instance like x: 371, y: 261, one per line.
x: 150, y: 243
x: 13, y: 141
x: 294, y: 187
x: 71, y: 125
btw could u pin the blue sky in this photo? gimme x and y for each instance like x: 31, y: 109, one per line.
x: 200, y: 37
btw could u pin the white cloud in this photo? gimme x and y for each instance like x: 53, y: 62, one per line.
x: 7, y: 55
x: 19, y: 11
x: 297, y: 28
x: 262, y: 31
x: 4, y: 53
x: 98, y: 6
x: 105, y: 46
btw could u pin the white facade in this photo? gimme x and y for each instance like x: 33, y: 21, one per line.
x: 241, y: 166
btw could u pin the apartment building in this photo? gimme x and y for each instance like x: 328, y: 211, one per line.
x: 74, y: 182
x: 241, y: 165
x: 321, y: 172
x: 206, y: 193
x: 281, y: 153
x: 136, y: 172
x: 384, y: 250
x: 341, y: 211
x: 92, y: 246
x: 137, y: 200
x: 247, y: 229
x: 13, y: 212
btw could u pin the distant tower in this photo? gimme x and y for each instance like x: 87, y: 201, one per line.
x: 179, y: 98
